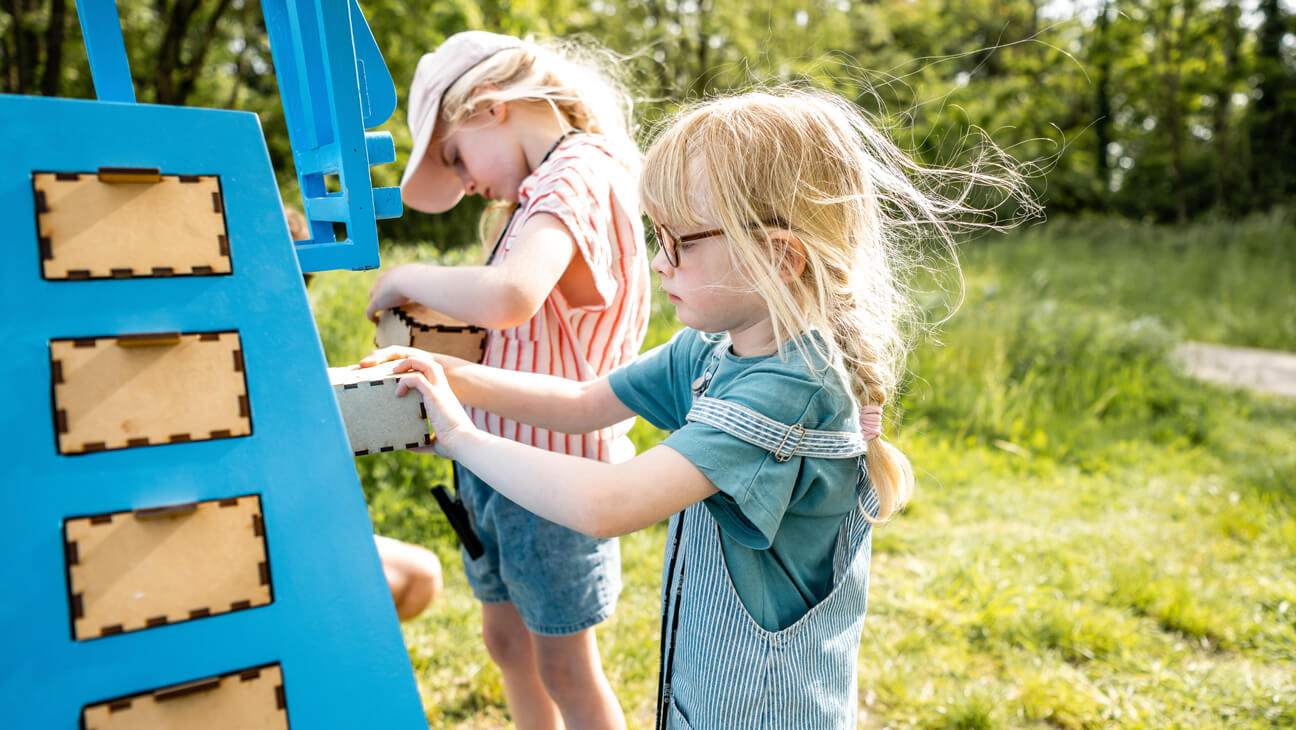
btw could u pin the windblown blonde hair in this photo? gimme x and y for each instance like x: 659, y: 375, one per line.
x: 577, y: 81
x: 812, y: 165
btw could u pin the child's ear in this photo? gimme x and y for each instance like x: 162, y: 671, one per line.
x: 498, y: 111
x: 793, y: 255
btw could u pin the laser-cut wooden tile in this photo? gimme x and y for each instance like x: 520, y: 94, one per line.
x: 88, y: 229
x: 251, y: 699
x: 129, y: 571
x: 145, y: 390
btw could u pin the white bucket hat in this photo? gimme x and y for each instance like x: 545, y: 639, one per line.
x: 428, y: 184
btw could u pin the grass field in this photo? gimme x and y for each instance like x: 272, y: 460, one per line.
x: 1095, y: 541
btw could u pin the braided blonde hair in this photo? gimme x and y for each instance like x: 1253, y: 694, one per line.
x: 810, y: 165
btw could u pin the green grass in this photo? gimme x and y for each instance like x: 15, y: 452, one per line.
x: 1095, y: 541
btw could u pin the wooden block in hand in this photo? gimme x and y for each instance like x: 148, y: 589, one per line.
x: 376, y: 420
x: 413, y: 325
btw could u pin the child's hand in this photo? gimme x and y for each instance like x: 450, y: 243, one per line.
x: 388, y: 291
x: 395, y: 352
x: 445, y: 414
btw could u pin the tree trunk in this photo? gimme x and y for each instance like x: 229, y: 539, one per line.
x: 7, y: 62
x: 1102, y: 102
x: 180, y: 15
x: 705, y: 74
x: 1171, y: 42
x: 53, y: 77
x: 664, y: 85
x: 22, y: 49
x: 193, y: 67
x: 1270, y: 140
x: 1230, y: 33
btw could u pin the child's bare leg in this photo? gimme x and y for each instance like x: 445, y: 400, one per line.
x: 413, y: 575
x: 572, y: 673
x: 508, y: 641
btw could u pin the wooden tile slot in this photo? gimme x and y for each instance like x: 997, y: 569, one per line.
x: 123, y: 223
x: 250, y: 699
x: 148, y: 389
x: 152, y: 567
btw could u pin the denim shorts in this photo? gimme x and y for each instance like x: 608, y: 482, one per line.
x: 560, y: 581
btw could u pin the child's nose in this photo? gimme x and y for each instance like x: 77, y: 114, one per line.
x: 660, y: 265
x: 469, y: 185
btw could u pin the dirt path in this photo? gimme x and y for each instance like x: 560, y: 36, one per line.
x: 1263, y: 370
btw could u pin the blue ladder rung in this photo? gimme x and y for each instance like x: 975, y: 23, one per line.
x: 380, y: 147
x: 387, y: 203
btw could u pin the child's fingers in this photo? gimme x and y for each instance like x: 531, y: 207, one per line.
x: 427, y: 378
x: 374, y: 307
x: 386, y: 354
x: 413, y: 363
x: 445, y: 413
x: 429, y: 373
x: 414, y: 381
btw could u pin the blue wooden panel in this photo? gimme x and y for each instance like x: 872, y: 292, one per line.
x: 331, y: 626
x: 334, y: 85
x: 377, y: 92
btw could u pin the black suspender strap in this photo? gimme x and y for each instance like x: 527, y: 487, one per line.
x: 495, y: 249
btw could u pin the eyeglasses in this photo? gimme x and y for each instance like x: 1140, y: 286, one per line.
x: 670, y: 243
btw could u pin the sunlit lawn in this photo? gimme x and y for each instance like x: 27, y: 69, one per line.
x: 1095, y: 542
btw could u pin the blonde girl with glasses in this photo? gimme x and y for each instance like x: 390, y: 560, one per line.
x: 541, y: 131
x: 786, y: 222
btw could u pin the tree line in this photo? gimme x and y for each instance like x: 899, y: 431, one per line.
x: 1161, y: 110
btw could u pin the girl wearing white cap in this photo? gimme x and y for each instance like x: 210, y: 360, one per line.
x: 564, y: 293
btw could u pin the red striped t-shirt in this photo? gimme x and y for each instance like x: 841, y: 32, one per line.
x: 596, y: 197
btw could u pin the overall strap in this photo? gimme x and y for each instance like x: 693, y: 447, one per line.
x: 782, y: 440
x: 670, y: 614
x: 785, y: 441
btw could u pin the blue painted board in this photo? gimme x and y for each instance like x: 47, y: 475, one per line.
x: 332, y: 626
x: 334, y: 85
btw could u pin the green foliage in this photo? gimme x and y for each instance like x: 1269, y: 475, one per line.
x: 1156, y: 109
x: 1074, y: 322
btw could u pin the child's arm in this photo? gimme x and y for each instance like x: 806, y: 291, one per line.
x: 544, y: 401
x: 496, y: 297
x: 593, y: 497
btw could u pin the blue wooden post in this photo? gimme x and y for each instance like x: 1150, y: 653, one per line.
x: 101, y: 29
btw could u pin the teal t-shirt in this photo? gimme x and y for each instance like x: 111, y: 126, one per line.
x: 778, y: 520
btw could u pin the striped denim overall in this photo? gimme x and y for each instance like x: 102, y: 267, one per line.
x: 720, y: 669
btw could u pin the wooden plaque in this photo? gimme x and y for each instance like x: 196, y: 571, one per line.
x: 414, y: 325
x: 129, y: 571
x: 252, y: 699
x: 120, y: 224
x: 150, y: 389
